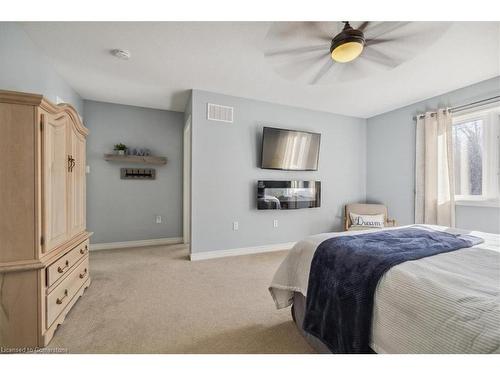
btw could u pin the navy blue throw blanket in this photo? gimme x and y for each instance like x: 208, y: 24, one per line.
x: 344, y: 275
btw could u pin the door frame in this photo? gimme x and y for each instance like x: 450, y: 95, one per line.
x: 186, y: 184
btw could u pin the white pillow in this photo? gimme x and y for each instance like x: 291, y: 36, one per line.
x: 367, y: 221
x: 358, y: 227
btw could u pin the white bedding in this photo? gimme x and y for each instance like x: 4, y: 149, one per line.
x: 446, y: 303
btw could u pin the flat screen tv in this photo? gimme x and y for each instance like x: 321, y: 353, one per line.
x: 290, y: 149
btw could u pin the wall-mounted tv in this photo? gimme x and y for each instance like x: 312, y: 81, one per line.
x: 290, y: 149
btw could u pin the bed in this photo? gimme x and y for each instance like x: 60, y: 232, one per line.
x: 445, y: 303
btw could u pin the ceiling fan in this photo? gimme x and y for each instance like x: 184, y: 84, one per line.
x: 352, y: 52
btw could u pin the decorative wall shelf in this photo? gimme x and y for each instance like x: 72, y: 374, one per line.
x: 136, y: 159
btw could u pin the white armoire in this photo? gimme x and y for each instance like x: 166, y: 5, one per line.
x: 44, y: 263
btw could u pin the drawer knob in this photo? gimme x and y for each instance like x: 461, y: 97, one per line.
x: 83, y: 251
x: 59, y: 301
x: 61, y: 269
x: 82, y: 275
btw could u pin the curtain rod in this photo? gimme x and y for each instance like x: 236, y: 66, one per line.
x: 478, y: 103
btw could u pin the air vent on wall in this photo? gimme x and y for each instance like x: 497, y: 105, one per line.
x: 217, y: 112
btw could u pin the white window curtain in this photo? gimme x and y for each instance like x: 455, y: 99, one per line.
x: 434, y: 180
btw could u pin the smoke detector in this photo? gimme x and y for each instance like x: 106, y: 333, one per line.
x: 121, y: 53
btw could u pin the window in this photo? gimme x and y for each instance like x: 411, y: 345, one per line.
x: 476, y: 155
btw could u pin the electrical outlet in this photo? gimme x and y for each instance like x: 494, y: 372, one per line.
x: 275, y: 223
x: 236, y: 226
x: 158, y: 219
x: 87, y: 169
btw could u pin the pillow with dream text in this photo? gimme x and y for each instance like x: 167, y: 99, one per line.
x: 367, y: 221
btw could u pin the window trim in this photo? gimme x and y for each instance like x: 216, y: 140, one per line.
x: 478, y: 203
x: 491, y: 157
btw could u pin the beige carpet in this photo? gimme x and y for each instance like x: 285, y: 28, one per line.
x: 154, y: 300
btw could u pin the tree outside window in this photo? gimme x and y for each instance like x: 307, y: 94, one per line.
x: 468, y: 156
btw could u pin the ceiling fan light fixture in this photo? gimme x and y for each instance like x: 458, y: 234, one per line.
x: 347, y: 52
x: 347, y: 45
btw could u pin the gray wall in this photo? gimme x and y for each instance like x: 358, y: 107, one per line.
x: 124, y: 210
x: 391, y: 158
x: 225, y: 169
x: 24, y: 68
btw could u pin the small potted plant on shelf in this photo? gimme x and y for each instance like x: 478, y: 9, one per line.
x: 120, y: 148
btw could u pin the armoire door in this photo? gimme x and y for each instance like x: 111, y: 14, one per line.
x: 76, y: 189
x: 55, y: 162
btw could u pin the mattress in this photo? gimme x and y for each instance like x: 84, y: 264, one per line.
x: 447, y: 303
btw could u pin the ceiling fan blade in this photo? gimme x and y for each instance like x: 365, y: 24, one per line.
x: 311, y: 30
x: 297, y: 50
x: 379, y: 57
x: 350, y: 72
x: 321, y: 73
x: 372, y: 42
x: 384, y: 28
x: 298, y: 67
x: 363, y: 25
x: 316, y: 29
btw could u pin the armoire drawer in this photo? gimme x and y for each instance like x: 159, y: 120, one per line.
x: 61, y: 266
x: 65, y: 291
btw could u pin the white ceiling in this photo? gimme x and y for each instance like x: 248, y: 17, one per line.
x: 169, y: 58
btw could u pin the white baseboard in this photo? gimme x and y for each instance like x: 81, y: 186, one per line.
x: 241, y: 251
x: 142, y: 243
